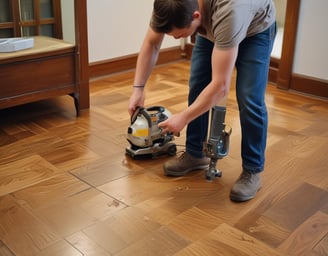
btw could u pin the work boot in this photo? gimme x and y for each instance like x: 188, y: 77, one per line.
x: 245, y: 187
x: 185, y: 163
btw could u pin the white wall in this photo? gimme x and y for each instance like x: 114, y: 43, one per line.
x: 280, y: 11
x: 116, y: 28
x: 311, y: 52
x: 67, y: 9
x: 280, y: 17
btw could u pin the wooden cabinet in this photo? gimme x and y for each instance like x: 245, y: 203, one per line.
x: 51, y: 68
x: 46, y: 70
x: 30, y: 18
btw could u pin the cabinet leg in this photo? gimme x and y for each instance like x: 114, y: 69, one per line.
x: 76, y: 102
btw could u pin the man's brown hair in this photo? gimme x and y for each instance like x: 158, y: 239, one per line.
x: 170, y: 14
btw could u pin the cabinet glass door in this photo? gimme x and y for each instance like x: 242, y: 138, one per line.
x: 6, y: 32
x: 30, y: 18
x: 27, y: 15
x: 6, y: 19
x: 28, y: 31
x: 46, y: 14
x: 47, y: 30
x: 5, y: 13
x: 46, y: 10
x: 27, y: 10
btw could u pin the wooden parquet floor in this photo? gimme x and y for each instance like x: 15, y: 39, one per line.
x: 67, y: 187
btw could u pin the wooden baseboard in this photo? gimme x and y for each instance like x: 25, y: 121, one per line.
x: 273, y: 70
x: 115, y: 65
x: 300, y: 83
x: 309, y: 85
x: 188, y: 50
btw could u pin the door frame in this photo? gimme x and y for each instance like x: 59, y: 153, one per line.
x: 284, y: 65
x: 82, y: 54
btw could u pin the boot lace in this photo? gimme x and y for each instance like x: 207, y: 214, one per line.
x: 245, y: 177
x: 182, y: 156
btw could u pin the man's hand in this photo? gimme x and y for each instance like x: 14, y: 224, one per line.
x: 137, y: 99
x: 174, y: 124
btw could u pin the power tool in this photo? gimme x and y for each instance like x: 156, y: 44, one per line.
x: 145, y: 137
x: 217, y: 144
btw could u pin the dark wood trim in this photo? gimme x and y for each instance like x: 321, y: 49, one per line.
x: 169, y: 55
x: 32, y: 97
x: 15, y: 17
x: 36, y: 21
x: 58, y: 26
x: 309, y: 85
x: 82, y: 55
x: 288, y: 46
x: 111, y: 66
x: 188, y: 50
x: 273, y: 70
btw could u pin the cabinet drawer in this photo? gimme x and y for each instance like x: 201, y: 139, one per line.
x: 36, y: 75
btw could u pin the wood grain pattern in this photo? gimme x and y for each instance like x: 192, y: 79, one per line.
x: 24, y: 173
x: 67, y: 187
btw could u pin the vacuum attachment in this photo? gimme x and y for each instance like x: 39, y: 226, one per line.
x: 217, y: 145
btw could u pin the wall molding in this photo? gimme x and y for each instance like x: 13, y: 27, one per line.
x: 309, y: 85
x: 273, y: 70
x: 128, y: 62
x: 304, y: 84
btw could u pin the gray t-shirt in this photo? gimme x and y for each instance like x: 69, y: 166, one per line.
x: 228, y: 22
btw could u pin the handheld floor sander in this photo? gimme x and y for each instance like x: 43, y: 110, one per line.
x: 146, y: 139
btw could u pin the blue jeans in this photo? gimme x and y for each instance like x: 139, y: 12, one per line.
x: 252, y: 66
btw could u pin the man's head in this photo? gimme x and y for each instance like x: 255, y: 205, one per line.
x: 179, y: 18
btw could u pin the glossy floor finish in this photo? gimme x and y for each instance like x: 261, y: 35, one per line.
x: 67, y: 188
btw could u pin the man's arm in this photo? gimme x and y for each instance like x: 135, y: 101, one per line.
x: 147, y: 56
x: 223, y: 62
x: 146, y: 61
